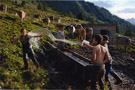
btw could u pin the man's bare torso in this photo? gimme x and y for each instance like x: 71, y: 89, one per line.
x: 98, y: 54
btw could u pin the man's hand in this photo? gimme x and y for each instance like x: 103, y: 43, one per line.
x: 41, y: 35
x: 85, y: 45
x: 91, y: 61
x: 14, y: 36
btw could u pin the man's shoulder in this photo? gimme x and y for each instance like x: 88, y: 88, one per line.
x: 104, y: 49
x: 94, y: 47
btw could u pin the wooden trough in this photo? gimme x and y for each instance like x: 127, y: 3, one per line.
x: 71, y: 62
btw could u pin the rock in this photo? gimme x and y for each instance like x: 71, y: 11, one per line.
x: 132, y: 82
x: 130, y: 59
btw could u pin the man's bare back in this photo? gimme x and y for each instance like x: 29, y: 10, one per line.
x: 99, y: 57
x: 98, y: 54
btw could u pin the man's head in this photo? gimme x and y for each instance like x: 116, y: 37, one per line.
x: 97, y: 39
x: 23, y: 31
x: 105, y: 39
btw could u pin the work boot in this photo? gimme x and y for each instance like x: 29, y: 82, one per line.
x: 118, y: 82
x: 107, y: 80
x: 37, y: 65
x: 35, y: 62
x: 24, y: 68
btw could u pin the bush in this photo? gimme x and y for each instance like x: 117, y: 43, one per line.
x: 11, y: 61
x: 74, y: 46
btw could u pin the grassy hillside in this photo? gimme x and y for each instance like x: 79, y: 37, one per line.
x: 11, y: 62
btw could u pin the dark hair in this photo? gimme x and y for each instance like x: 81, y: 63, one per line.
x: 98, y: 38
x: 59, y: 25
x: 22, y: 29
x: 105, y: 38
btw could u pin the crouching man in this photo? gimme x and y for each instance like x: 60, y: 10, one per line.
x: 99, y: 53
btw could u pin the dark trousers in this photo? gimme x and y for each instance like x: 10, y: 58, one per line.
x: 109, y: 70
x: 98, y: 77
x: 30, y: 54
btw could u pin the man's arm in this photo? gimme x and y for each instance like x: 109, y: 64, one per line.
x: 15, y: 37
x: 35, y: 35
x: 106, y: 58
x: 93, y: 55
x: 90, y: 46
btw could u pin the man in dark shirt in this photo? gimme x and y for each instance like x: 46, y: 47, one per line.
x: 27, y: 47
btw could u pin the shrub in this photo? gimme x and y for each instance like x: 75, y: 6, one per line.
x: 74, y: 46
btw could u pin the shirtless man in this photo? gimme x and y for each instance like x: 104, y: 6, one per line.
x: 99, y: 53
x: 27, y: 47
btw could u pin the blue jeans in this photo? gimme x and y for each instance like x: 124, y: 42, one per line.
x: 109, y: 70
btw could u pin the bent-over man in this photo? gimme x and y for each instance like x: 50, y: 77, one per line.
x: 98, y: 71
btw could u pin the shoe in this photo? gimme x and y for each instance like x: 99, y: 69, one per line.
x: 107, y: 80
x: 24, y: 68
x: 118, y: 82
x: 37, y: 66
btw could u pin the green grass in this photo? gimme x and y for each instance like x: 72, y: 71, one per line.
x: 74, y: 46
x: 11, y: 61
x: 129, y: 49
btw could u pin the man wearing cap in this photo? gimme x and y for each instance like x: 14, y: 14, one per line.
x: 108, y: 65
x: 60, y: 35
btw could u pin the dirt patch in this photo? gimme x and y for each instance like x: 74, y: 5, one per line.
x: 123, y: 65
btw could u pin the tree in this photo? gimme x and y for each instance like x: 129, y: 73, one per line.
x: 40, y: 6
x: 80, y: 16
x: 70, y: 14
x: 128, y: 31
x: 23, y: 3
x: 93, y: 19
x: 34, y: 1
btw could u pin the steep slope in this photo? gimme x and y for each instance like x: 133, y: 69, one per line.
x: 11, y: 62
x: 89, y: 11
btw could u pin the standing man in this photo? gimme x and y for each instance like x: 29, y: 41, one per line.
x: 60, y: 35
x: 27, y: 47
x: 98, y: 71
x: 108, y: 65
